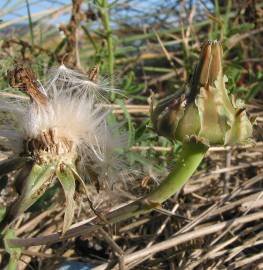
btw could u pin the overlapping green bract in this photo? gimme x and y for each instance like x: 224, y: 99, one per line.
x: 209, y: 113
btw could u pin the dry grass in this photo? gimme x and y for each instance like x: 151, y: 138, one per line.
x: 215, y: 222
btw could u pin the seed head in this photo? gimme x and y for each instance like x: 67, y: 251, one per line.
x: 64, y: 131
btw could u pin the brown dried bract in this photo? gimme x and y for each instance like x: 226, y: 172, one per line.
x: 93, y: 73
x: 47, y: 141
x: 24, y: 78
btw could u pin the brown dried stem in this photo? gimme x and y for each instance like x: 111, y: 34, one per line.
x: 70, y: 57
x: 24, y: 78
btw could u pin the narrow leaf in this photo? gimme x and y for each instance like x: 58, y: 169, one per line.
x: 67, y: 181
x: 79, y: 178
x: 36, y: 184
x: 14, y: 252
x: 2, y: 213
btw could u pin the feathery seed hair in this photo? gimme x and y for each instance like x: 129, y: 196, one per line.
x: 74, y: 112
x: 63, y: 128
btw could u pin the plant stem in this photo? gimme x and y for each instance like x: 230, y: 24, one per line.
x: 30, y: 24
x: 189, y: 159
x: 107, y: 27
x: 12, y: 264
x: 191, y: 155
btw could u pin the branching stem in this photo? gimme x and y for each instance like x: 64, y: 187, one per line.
x: 105, y: 16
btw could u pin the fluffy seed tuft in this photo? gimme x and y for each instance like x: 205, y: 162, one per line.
x: 74, y: 116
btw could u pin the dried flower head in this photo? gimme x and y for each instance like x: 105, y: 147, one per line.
x: 64, y: 135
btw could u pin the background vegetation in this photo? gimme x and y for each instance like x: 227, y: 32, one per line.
x: 145, y: 47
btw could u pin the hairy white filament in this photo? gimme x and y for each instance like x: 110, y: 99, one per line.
x: 75, y: 112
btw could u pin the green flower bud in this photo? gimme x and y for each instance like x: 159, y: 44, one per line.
x: 210, y: 63
x: 207, y: 112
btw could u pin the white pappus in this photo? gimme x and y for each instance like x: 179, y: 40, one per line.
x: 75, y: 117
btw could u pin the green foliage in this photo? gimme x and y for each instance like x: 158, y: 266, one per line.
x: 14, y: 252
x: 44, y: 201
x: 67, y: 181
x: 35, y: 186
x: 2, y: 213
x: 133, y: 59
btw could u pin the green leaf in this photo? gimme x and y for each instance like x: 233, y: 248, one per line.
x: 14, y: 252
x: 39, y: 179
x: 129, y: 121
x: 67, y: 181
x: 3, y: 181
x: 30, y: 22
x: 141, y: 130
x: 78, y: 177
x: 43, y: 203
x: 241, y: 28
x: 2, y: 213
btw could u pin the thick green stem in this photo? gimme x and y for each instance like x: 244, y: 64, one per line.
x: 189, y: 159
x: 12, y: 264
